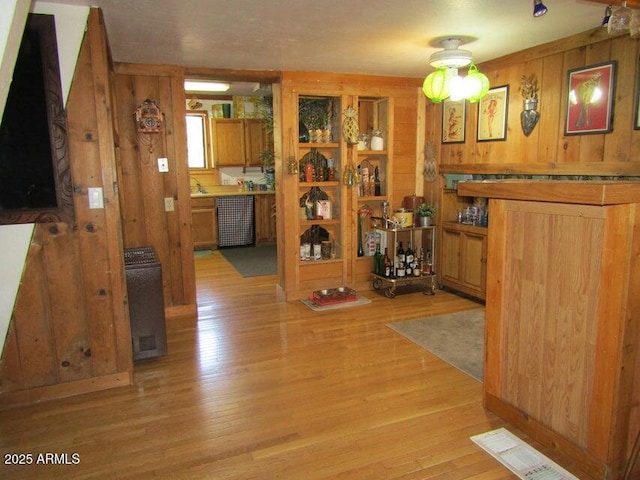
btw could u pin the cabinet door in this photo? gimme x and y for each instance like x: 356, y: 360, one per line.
x: 254, y: 141
x: 204, y: 226
x: 228, y: 142
x: 474, y: 254
x: 451, y: 247
x: 265, y: 219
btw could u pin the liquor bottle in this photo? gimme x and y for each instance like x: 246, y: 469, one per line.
x: 428, y: 265
x: 409, y: 259
x: 418, y: 263
x: 400, y: 268
x: 378, y: 267
x: 377, y: 191
x: 387, y: 264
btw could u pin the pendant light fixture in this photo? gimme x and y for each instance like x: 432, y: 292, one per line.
x: 539, y: 8
x: 445, y: 82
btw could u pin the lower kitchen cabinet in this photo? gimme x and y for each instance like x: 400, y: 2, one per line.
x: 464, y: 258
x: 265, y: 218
x: 204, y: 223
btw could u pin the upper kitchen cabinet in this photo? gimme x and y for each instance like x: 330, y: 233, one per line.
x: 238, y: 141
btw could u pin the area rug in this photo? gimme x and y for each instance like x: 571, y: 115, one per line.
x: 360, y: 300
x: 252, y: 261
x: 457, y: 338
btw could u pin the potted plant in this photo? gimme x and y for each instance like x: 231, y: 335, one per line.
x: 426, y: 211
x: 267, y: 156
x: 315, y: 115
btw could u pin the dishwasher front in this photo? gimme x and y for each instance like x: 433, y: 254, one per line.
x: 235, y: 220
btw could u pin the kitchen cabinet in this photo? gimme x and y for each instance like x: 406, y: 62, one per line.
x: 464, y: 258
x: 265, y: 218
x: 238, y: 141
x: 204, y: 223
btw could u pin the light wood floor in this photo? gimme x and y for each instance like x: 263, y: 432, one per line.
x: 263, y: 390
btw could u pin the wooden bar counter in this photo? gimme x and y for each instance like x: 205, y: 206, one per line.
x: 562, y: 313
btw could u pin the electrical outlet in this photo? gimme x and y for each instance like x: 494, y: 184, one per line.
x: 169, y: 205
x: 96, y: 200
x: 163, y: 165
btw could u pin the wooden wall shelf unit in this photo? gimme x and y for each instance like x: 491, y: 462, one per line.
x: 343, y: 267
x: 375, y: 114
x: 562, y: 313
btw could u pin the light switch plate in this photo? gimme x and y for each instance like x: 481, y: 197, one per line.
x: 163, y: 165
x: 96, y: 200
x: 169, y: 205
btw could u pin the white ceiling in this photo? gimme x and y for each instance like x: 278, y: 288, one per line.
x: 374, y: 37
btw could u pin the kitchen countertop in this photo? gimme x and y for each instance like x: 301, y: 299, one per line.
x: 229, y: 190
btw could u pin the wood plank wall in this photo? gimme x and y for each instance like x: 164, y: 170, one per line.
x: 70, y: 328
x: 547, y: 151
x: 143, y: 188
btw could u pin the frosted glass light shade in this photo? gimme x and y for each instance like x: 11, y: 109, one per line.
x: 457, y: 88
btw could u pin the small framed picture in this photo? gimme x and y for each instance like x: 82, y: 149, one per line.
x: 590, y: 99
x: 636, y: 118
x: 453, y: 121
x: 492, y: 114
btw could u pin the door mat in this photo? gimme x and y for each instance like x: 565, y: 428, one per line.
x: 252, y: 261
x: 360, y: 300
x: 520, y: 457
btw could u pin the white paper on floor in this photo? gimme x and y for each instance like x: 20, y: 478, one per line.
x: 519, y: 457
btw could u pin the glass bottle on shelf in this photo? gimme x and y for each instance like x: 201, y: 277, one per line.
x: 388, y: 264
x: 417, y: 264
x: 377, y: 191
x: 400, y: 260
x: 309, y: 173
x: 428, y: 266
x: 378, y: 266
x: 409, y: 261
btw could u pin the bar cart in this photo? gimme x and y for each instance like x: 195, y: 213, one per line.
x: 427, y: 278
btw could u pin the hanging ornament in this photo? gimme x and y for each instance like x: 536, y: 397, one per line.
x: 292, y: 163
x: 350, y: 128
x: 529, y: 115
x: 430, y: 172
